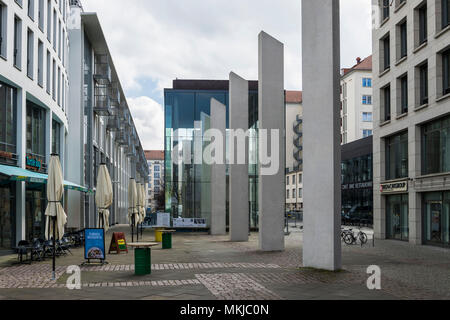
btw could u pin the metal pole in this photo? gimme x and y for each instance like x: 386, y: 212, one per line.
x: 132, y: 229
x: 54, y: 249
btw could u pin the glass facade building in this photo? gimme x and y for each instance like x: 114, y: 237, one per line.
x: 187, y: 112
x: 357, y: 182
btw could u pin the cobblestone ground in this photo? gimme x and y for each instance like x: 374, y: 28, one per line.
x: 205, y: 267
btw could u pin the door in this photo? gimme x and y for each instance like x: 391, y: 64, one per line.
x: 35, y: 213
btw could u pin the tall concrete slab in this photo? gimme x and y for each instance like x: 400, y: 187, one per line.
x: 271, y: 116
x: 218, y: 170
x: 321, y: 129
x: 238, y: 184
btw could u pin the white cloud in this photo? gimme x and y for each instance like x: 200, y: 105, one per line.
x: 148, y: 116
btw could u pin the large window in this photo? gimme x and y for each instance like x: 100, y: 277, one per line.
x: 423, y: 84
x: 446, y: 72
x: 397, y: 220
x: 423, y: 24
x: 3, y: 28
x: 40, y: 63
x: 56, y: 137
x: 397, y: 156
x: 386, y: 53
x: 403, y: 81
x: 436, y: 147
x: 36, y: 134
x: 7, y: 119
x: 30, y: 54
x: 402, y: 37
x: 49, y: 20
x: 17, y: 42
x: 445, y: 13
x: 385, y: 9
x: 386, y: 100
x: 41, y: 15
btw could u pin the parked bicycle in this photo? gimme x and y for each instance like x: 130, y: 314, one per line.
x: 350, y: 237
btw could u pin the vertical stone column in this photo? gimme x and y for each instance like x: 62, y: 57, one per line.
x: 238, y: 192
x: 271, y: 137
x: 218, y: 170
x: 322, y: 166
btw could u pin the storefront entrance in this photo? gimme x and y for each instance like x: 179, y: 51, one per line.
x: 7, y: 215
x: 35, y: 211
x: 397, y: 221
x: 437, y: 218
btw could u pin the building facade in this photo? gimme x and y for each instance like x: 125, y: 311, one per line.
x: 102, y: 128
x: 357, y: 101
x: 411, y: 42
x: 155, y: 161
x: 33, y: 111
x: 294, y: 191
x: 357, y: 182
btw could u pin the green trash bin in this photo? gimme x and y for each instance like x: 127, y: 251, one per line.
x: 142, y: 261
x: 167, y: 240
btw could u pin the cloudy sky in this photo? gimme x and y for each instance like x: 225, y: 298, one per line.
x: 153, y: 42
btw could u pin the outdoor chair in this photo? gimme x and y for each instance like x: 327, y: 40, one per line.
x: 37, y: 250
x: 22, y: 249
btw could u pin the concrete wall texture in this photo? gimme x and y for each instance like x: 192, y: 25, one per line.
x: 322, y: 161
x: 271, y: 112
x: 238, y: 192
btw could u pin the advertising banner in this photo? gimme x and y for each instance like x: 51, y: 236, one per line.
x: 94, y: 246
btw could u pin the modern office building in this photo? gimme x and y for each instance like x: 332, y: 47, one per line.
x: 357, y: 182
x: 356, y: 101
x: 33, y: 111
x: 101, y: 126
x: 411, y: 43
x: 187, y: 108
x: 155, y: 161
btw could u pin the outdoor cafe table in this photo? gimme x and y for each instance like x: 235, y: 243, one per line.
x: 142, y: 257
x: 167, y: 238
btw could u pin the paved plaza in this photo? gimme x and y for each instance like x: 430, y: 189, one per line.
x: 204, y: 267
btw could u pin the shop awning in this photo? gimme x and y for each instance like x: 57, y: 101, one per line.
x: 19, y: 174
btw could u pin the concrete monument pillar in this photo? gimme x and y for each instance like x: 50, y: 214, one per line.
x: 238, y: 193
x: 322, y: 143
x: 271, y: 137
x: 218, y: 170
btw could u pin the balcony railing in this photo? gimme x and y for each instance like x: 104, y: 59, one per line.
x: 113, y: 124
x: 114, y: 94
x: 102, y: 101
x: 102, y: 70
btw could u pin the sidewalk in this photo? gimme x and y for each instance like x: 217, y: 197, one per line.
x: 210, y: 267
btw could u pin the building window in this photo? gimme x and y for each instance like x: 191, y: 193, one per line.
x: 293, y: 194
x: 397, y: 156
x: 367, y: 82
x: 7, y: 119
x: 421, y: 13
x: 56, y: 137
x: 367, y: 100
x: 436, y: 147
x: 49, y: 20
x: 3, y: 29
x: 54, y: 80
x: 385, y: 9
x: 59, y: 87
x: 40, y: 63
x: 386, y: 53
x: 293, y: 179
x: 157, y: 176
x: 300, y: 178
x: 445, y: 13
x: 17, y: 42
x: 367, y: 133
x: 436, y: 218
x: 31, y: 9
x: 54, y: 30
x: 157, y: 168
x: 402, y: 40
x: 300, y: 193
x: 287, y: 194
x: 422, y: 86
x: 30, y: 53
x: 48, y: 79
x: 41, y: 15
x: 403, y: 94
x: 35, y: 133
x: 386, y: 100
x: 287, y: 181
x: 367, y: 117
x: 446, y: 72
x: 397, y: 220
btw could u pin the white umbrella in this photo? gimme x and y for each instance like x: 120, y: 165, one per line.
x: 132, y: 199
x: 55, y: 190
x: 55, y: 211
x: 142, y: 202
x: 104, y: 195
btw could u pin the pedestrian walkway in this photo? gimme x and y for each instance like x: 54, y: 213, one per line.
x: 201, y: 267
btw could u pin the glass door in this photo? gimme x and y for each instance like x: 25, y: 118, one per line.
x: 397, y: 220
x: 7, y: 217
x: 437, y: 217
x: 35, y: 214
x: 445, y: 221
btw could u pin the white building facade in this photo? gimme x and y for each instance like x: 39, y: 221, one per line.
x: 411, y: 60
x: 103, y: 131
x: 357, y: 101
x: 155, y: 161
x: 33, y: 111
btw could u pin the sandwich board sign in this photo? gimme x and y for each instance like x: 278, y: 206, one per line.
x: 94, y: 244
x: 118, y: 243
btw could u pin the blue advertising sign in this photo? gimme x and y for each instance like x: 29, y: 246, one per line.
x: 94, y: 245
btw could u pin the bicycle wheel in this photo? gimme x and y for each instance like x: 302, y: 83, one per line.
x: 363, y: 237
x: 349, y: 239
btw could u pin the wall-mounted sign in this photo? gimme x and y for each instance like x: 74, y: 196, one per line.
x: 352, y: 186
x: 33, y: 163
x: 399, y: 186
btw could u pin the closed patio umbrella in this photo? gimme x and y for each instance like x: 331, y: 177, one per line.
x: 104, y: 196
x: 55, y: 211
x: 133, y: 214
